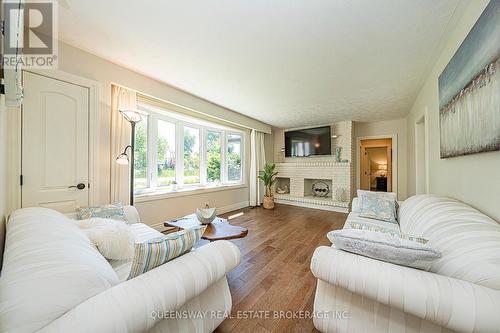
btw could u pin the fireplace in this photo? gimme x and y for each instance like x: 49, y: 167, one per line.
x: 318, y: 188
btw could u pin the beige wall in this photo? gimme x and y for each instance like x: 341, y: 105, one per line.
x: 473, y: 179
x: 387, y: 128
x: 269, y: 147
x: 3, y: 172
x: 157, y: 211
x: 78, y: 62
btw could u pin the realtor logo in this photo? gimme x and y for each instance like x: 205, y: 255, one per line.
x: 30, y: 34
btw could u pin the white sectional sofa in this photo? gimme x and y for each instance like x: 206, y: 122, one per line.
x: 460, y: 293
x: 54, y: 280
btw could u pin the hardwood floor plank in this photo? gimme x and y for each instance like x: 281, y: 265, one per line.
x: 274, y: 273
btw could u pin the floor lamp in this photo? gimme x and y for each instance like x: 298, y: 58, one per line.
x: 133, y: 117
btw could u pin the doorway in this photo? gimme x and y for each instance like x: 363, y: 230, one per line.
x: 376, y: 172
x: 55, y: 144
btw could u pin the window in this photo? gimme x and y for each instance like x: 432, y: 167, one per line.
x: 234, y: 157
x: 214, y: 156
x: 177, y: 150
x: 191, y: 155
x: 165, y: 152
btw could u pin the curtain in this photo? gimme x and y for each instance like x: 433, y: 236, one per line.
x: 257, y: 162
x: 120, y: 138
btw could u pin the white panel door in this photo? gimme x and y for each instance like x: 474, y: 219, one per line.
x: 55, y: 149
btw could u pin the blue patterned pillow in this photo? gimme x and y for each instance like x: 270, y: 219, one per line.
x: 110, y: 211
x: 156, y: 252
x: 379, y: 206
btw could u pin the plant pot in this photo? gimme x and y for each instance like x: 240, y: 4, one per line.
x: 268, y: 203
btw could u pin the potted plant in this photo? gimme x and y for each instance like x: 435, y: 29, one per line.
x: 268, y: 177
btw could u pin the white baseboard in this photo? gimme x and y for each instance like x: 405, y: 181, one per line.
x: 313, y: 206
x: 220, y: 210
x: 230, y: 208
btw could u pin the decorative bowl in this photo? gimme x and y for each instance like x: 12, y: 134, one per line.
x: 206, y: 215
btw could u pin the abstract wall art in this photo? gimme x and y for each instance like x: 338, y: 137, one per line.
x: 469, y: 90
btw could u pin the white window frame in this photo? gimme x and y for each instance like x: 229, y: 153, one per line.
x: 181, y: 121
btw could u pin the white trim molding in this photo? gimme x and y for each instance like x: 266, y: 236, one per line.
x: 424, y: 119
x: 330, y: 208
x: 153, y: 196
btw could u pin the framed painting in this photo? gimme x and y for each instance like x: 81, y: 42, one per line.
x: 469, y: 90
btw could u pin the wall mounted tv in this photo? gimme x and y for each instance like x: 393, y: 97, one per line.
x: 308, y: 142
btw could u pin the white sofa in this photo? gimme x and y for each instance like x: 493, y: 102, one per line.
x: 54, y: 280
x: 460, y: 293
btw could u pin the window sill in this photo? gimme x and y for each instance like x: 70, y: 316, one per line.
x: 166, y: 194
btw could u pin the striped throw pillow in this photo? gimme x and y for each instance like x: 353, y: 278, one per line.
x: 158, y: 251
x: 361, y: 226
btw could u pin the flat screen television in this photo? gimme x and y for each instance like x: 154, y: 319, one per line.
x: 308, y: 142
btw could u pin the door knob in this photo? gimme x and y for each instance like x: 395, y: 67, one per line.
x: 80, y: 186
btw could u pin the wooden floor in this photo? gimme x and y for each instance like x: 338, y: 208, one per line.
x: 274, y: 273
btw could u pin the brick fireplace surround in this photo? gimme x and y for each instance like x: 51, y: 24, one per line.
x: 301, y: 172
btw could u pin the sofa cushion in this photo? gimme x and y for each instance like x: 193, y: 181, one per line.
x: 468, y: 240
x: 156, y: 252
x: 371, y: 224
x: 142, y: 233
x: 360, y: 226
x: 113, y: 238
x: 386, y: 247
x: 378, y: 205
x: 110, y: 211
x: 49, y: 267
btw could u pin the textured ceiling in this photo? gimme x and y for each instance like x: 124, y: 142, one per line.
x: 286, y: 63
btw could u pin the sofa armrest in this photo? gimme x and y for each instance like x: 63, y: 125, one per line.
x: 131, y: 214
x: 131, y: 306
x: 456, y: 304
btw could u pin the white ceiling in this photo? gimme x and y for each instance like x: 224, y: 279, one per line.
x: 286, y: 63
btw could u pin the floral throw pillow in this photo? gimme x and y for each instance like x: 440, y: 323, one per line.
x: 379, y: 206
x: 110, y: 211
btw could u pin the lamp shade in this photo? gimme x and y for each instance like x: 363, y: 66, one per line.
x: 382, y: 166
x: 122, y: 159
x: 131, y: 115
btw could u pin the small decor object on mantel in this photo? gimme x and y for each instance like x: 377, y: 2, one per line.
x: 268, y: 177
x: 320, y: 189
x: 337, y: 154
x: 340, y: 194
x: 206, y: 215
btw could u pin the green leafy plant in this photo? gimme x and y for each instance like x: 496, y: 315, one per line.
x: 268, y: 177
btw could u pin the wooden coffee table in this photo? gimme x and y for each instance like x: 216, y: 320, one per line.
x: 219, y: 229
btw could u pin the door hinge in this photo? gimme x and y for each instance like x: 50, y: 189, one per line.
x: 21, y: 180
